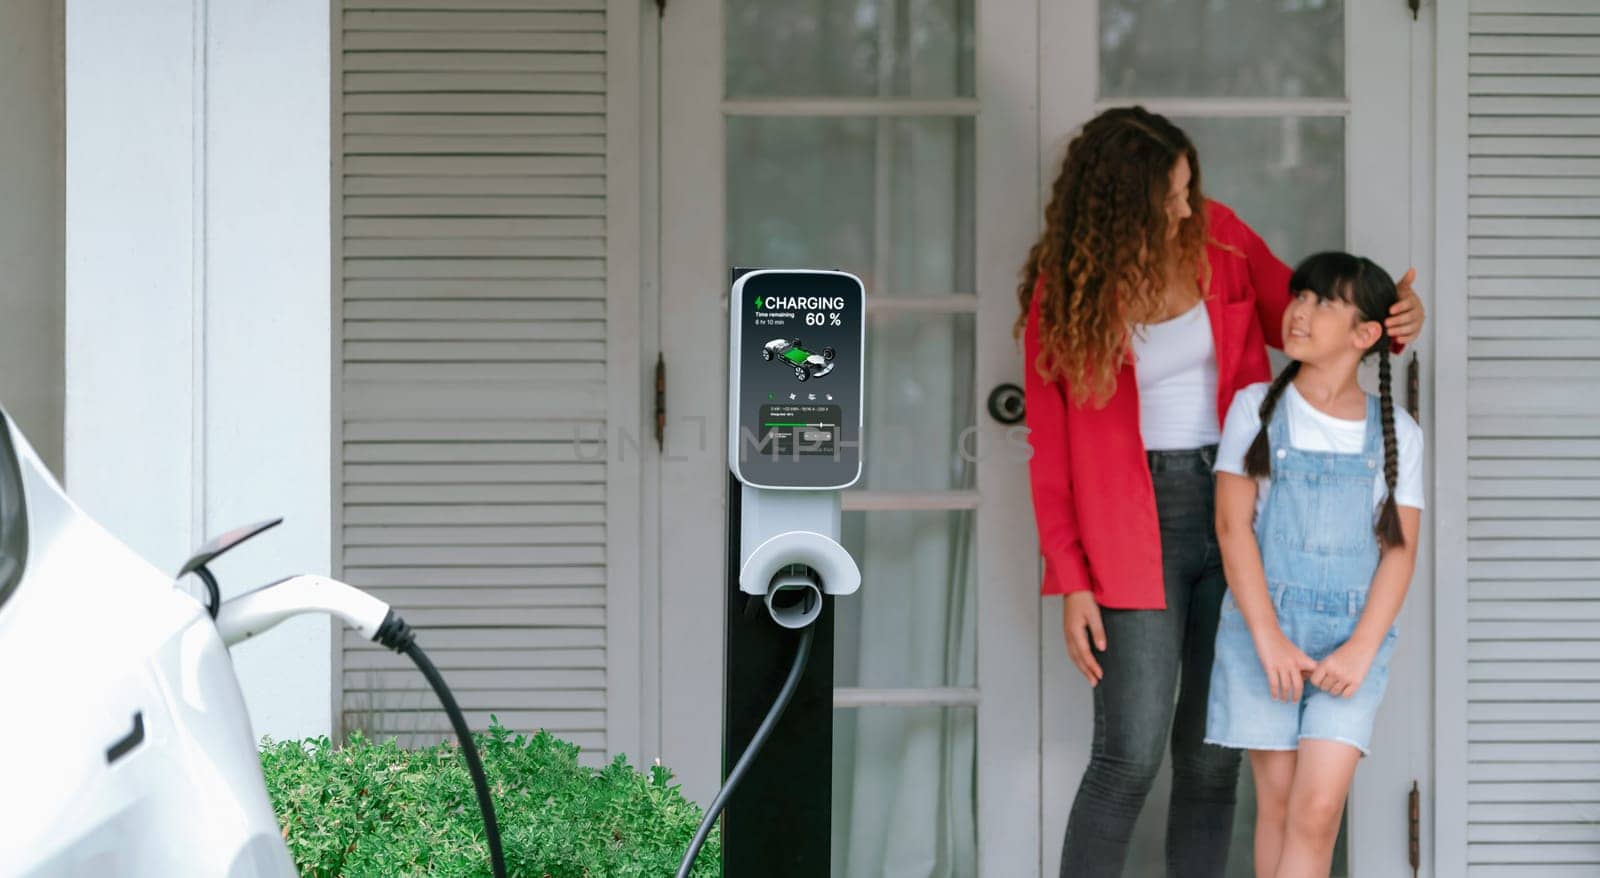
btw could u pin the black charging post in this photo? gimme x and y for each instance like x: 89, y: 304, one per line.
x: 796, y: 379
x: 778, y: 822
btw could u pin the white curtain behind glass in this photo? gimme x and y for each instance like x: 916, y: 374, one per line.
x: 905, y: 802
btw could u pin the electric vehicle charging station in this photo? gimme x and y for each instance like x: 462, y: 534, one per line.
x: 796, y: 381
x: 155, y: 771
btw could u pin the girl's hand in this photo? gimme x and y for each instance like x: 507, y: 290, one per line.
x: 1341, y: 672
x: 1286, y: 665
x: 1405, y: 318
x: 1080, y: 620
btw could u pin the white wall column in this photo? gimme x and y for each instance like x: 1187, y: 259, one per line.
x: 198, y: 301
x: 30, y: 221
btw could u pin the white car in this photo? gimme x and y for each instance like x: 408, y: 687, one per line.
x: 149, y: 765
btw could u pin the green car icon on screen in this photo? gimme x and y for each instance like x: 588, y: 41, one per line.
x: 806, y: 365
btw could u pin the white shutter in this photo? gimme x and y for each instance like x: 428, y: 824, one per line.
x: 1533, y: 439
x: 477, y: 383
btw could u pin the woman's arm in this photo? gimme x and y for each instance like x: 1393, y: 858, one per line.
x: 1284, y: 663
x: 1049, y: 473
x: 1342, y: 672
x: 1270, y: 278
x: 1060, y: 541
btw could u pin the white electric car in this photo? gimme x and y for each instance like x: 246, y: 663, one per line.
x: 127, y: 750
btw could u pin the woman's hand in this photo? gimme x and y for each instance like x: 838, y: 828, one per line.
x: 1342, y: 672
x: 1286, y: 665
x: 1080, y: 619
x: 1406, y: 316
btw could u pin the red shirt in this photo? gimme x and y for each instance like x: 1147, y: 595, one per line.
x: 1092, y: 494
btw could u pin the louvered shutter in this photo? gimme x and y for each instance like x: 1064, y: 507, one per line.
x: 471, y: 308
x: 1533, y: 444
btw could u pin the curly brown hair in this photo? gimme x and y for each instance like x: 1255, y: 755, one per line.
x: 1101, y: 263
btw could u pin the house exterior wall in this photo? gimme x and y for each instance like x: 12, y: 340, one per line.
x: 197, y: 316
x: 197, y: 278
x: 1518, y: 485
x: 31, y: 135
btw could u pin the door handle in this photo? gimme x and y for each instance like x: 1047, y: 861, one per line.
x: 129, y: 741
x: 1007, y: 404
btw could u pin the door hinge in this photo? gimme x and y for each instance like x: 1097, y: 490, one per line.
x: 1416, y: 7
x: 661, y: 7
x: 661, y: 401
x: 1416, y: 829
x: 1413, y: 388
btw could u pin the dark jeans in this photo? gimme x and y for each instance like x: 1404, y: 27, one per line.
x: 1151, y: 653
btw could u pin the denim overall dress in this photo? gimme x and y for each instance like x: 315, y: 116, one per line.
x: 1319, y: 553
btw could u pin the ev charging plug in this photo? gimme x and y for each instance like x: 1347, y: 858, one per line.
x: 257, y: 611
x: 794, y: 599
x: 253, y: 612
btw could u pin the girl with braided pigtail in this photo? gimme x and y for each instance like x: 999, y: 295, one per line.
x: 1319, y: 499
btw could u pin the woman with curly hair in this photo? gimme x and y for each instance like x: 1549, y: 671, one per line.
x: 1145, y: 307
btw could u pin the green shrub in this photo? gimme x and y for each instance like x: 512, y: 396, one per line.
x: 376, y: 809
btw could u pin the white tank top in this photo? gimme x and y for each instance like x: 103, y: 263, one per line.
x: 1176, y: 367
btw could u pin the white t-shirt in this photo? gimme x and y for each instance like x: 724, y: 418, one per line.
x: 1175, y: 363
x: 1311, y: 430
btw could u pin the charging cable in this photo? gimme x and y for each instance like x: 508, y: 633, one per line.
x: 252, y: 613
x: 796, y: 671
x: 398, y: 636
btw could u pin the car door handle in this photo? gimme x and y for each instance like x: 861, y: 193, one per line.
x: 134, y: 738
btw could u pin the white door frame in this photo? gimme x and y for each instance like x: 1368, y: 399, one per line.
x: 691, y: 499
x: 693, y: 301
x: 1010, y: 195
x: 1445, y: 829
x: 1388, y: 151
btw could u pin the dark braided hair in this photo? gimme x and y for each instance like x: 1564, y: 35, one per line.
x: 1362, y: 283
x: 1389, y: 518
x: 1258, y: 460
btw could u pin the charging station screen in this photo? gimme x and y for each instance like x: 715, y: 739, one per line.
x: 799, y: 393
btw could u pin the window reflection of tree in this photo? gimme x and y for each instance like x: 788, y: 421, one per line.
x: 1222, y: 48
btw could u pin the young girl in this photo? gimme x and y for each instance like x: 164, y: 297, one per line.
x: 1319, y: 498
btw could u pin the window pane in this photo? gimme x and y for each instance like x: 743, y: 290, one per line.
x: 888, y: 199
x: 918, y: 434
x: 854, y: 48
x: 904, y: 801
x: 913, y: 624
x: 1222, y: 48
x: 1284, y: 176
